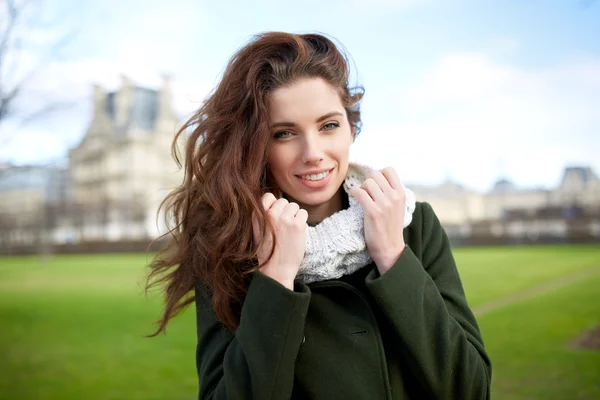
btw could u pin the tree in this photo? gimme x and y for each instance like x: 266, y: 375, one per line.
x: 22, y: 56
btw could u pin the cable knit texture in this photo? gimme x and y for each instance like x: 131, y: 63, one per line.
x: 336, y: 246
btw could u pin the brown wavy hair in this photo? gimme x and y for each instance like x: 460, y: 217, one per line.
x: 226, y: 171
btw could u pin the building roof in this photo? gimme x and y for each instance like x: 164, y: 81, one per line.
x: 503, y: 186
x: 583, y: 174
x: 143, y: 112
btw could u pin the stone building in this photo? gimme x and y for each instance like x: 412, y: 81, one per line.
x: 568, y: 212
x: 29, y: 197
x: 122, y: 169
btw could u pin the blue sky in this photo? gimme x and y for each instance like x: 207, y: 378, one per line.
x: 471, y: 90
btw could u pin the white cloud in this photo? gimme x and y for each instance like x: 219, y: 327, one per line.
x: 475, y: 119
x: 142, y: 48
x: 33, y: 145
x: 70, y: 84
x: 467, y: 115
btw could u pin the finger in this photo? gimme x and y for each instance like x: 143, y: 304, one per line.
x: 277, y: 208
x: 392, y: 177
x: 373, y: 189
x: 362, y: 197
x: 290, y: 210
x: 302, y: 215
x: 267, y: 200
x: 259, y: 238
x: 382, y: 181
x: 256, y: 225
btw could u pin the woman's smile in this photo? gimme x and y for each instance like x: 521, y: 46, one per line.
x: 316, y: 180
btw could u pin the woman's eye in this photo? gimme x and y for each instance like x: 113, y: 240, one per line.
x: 331, y: 125
x: 282, y: 134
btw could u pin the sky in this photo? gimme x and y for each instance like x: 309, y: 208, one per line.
x: 470, y: 91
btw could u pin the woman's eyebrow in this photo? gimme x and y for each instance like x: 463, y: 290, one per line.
x: 321, y: 118
x: 329, y: 115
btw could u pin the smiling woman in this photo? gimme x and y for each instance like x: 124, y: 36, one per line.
x: 313, y: 278
x: 308, y: 156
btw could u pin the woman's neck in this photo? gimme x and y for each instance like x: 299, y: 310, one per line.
x: 317, y: 213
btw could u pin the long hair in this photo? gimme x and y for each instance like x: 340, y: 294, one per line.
x: 226, y: 173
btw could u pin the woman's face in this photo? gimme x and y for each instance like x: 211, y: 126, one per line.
x: 310, y: 141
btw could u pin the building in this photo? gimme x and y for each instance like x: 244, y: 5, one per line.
x: 570, y: 212
x: 579, y: 186
x: 29, y: 194
x: 122, y: 169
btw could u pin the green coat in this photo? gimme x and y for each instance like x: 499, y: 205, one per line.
x: 408, y: 334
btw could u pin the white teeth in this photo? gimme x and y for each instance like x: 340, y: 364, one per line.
x: 317, y: 177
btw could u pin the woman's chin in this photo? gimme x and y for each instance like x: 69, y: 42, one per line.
x: 313, y: 199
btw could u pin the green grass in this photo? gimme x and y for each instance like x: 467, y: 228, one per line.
x: 530, y: 344
x: 72, y: 328
x: 495, y: 272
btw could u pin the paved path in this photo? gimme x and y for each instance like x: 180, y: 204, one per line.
x: 535, y: 291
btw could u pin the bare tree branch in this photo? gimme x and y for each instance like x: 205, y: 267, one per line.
x: 11, y: 46
x: 12, y: 17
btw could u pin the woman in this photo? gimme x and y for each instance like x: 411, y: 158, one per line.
x: 314, y: 278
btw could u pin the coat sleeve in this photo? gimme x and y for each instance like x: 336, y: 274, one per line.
x: 426, y: 305
x: 257, y: 361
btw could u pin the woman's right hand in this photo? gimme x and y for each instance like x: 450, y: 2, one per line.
x: 289, y: 221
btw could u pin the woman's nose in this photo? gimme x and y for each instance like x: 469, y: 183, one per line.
x: 313, y: 151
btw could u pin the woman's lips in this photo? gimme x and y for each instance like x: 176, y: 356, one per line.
x: 316, y: 184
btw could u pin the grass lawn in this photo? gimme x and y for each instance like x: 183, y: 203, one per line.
x: 72, y: 329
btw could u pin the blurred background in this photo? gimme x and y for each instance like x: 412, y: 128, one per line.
x: 488, y: 110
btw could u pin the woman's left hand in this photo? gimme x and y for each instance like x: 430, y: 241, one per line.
x: 383, y: 200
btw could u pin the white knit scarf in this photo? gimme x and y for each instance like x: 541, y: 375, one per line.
x: 336, y: 246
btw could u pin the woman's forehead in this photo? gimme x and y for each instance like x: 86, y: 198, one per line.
x: 304, y: 99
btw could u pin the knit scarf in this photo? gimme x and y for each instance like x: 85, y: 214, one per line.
x: 336, y: 246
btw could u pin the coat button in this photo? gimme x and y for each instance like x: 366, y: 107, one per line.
x: 303, y: 339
